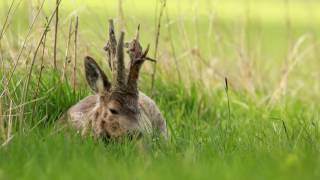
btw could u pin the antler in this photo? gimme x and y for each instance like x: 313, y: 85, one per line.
x: 111, y: 45
x: 116, y: 60
x: 137, y: 57
x: 116, y: 57
x: 119, y: 74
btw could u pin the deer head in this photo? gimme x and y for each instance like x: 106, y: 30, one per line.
x: 117, y: 111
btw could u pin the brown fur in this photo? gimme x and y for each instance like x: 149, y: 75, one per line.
x: 117, y: 108
x: 86, y: 115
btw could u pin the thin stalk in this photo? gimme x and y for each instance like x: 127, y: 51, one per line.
x: 2, y: 131
x: 26, y: 87
x: 227, y: 94
x: 3, y: 30
x: 75, y: 53
x: 23, y: 45
x: 40, y: 76
x: 9, y: 129
x: 2, y: 63
x: 6, y: 20
x: 172, y: 47
x: 163, y: 5
x: 285, y: 130
x: 56, y: 35
x: 67, y: 58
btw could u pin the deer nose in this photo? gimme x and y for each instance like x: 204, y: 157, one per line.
x: 103, y: 123
x: 115, y: 126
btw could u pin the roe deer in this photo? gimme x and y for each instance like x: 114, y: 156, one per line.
x: 117, y: 108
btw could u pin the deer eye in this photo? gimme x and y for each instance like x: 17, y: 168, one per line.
x: 113, y: 111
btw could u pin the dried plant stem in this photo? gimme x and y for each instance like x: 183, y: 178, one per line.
x: 285, y: 73
x: 2, y: 63
x: 75, y: 53
x: 2, y: 131
x: 284, y: 78
x: 172, y: 47
x: 23, y: 45
x: 6, y: 20
x: 6, y: 142
x: 163, y: 5
x: 26, y: 87
x: 295, y: 55
x: 9, y: 129
x: 4, y: 28
x: 56, y: 35
x: 67, y: 58
x: 40, y: 76
x: 31, y: 10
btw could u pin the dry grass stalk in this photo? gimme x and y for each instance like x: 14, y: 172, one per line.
x: 75, y: 53
x: 282, y: 87
x: 6, y: 142
x: 245, y: 61
x: 196, y: 50
x: 38, y: 123
x: 212, y: 26
x: 5, y: 26
x: 9, y: 129
x: 31, y: 101
x: 23, y: 46
x: 163, y: 5
x: 6, y: 20
x: 11, y: 11
x: 31, y: 11
x: 172, y: 46
x: 294, y: 56
x: 2, y: 62
x: 185, y: 45
x: 26, y: 86
x: 67, y: 57
x: 40, y: 75
x: 56, y: 35
x: 2, y: 131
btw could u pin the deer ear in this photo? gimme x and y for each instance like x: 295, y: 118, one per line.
x: 96, y: 78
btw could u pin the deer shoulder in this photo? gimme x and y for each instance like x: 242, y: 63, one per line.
x: 78, y: 115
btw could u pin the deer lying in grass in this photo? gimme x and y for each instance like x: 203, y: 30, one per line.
x: 117, y: 108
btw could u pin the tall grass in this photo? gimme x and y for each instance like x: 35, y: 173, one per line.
x: 260, y: 123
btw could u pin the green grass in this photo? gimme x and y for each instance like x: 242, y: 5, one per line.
x: 204, y: 143
x: 263, y: 137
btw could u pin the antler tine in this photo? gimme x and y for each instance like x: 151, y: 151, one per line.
x: 137, y: 57
x: 119, y: 73
x: 138, y: 33
x: 111, y: 45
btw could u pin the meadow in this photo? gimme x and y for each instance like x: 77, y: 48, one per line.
x: 238, y: 82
